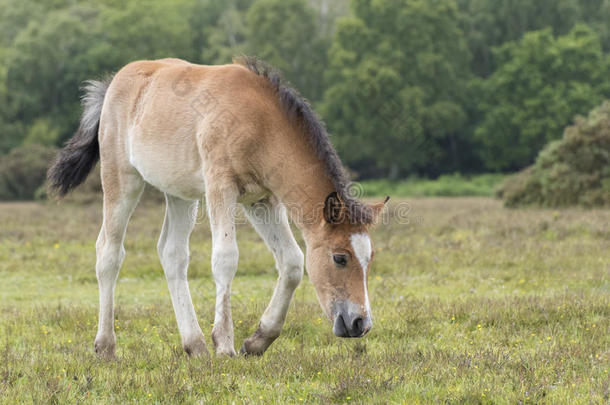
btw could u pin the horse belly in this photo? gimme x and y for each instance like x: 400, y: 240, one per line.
x: 171, y: 163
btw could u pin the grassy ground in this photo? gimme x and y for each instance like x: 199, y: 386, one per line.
x: 449, y: 185
x: 473, y: 303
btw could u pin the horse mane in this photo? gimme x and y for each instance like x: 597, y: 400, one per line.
x: 298, y: 109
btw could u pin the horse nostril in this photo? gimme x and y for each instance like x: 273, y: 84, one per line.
x: 348, y: 327
x: 340, y: 328
x: 357, y: 328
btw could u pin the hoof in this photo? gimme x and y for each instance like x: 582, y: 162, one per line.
x: 224, y: 346
x: 230, y: 352
x: 257, y: 344
x: 104, y: 348
x: 196, y: 347
x: 244, y: 351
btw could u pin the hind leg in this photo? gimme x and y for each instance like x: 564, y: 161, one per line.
x: 121, y: 194
x: 173, y: 248
x: 221, y: 203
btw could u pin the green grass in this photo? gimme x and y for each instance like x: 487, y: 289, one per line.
x: 472, y: 303
x: 452, y: 185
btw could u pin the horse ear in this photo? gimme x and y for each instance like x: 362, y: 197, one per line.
x: 334, y: 209
x: 377, y: 208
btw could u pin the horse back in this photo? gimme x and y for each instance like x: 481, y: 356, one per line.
x: 174, y: 121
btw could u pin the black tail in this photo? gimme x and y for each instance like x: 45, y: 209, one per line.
x: 80, y: 154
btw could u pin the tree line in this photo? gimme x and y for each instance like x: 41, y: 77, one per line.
x: 406, y: 87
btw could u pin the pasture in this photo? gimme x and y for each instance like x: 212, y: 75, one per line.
x: 472, y: 303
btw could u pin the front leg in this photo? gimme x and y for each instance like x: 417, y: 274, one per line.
x: 270, y: 220
x: 221, y: 201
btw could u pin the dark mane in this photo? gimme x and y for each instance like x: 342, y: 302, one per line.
x: 298, y: 109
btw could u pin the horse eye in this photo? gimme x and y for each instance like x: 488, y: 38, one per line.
x: 340, y: 260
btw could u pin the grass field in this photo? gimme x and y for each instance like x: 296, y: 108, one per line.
x: 448, y: 185
x: 472, y: 303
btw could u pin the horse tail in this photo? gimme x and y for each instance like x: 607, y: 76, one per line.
x: 81, y: 152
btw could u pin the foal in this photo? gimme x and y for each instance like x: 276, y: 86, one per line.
x: 239, y: 136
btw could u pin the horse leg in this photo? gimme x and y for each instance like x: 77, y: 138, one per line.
x: 271, y: 222
x: 121, y: 194
x: 221, y: 203
x: 173, y: 249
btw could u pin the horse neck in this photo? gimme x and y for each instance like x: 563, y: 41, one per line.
x: 301, y: 181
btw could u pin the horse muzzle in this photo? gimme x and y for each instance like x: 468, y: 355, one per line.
x: 351, y: 325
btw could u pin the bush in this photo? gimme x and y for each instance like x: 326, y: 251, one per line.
x: 23, y: 171
x: 572, y: 171
x: 42, y: 132
x: 23, y: 177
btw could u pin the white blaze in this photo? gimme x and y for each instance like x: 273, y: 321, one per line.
x: 361, y: 244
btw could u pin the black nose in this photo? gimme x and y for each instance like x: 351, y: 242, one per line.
x: 354, y: 326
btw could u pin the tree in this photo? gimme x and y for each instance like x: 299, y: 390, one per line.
x: 285, y: 34
x: 540, y: 84
x: 14, y: 15
x: 223, y: 31
x: 44, y: 67
x: 397, y: 87
x: 128, y: 31
x: 490, y: 23
x: 407, y: 86
x: 11, y: 131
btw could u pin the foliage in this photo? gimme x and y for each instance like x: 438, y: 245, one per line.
x: 396, y: 91
x: 573, y: 170
x: 42, y: 133
x: 472, y: 303
x: 151, y: 32
x: 408, y: 87
x: 451, y: 185
x: 488, y: 24
x: 221, y: 30
x: 23, y: 171
x: 45, y: 67
x: 541, y: 83
x: 10, y: 131
x: 285, y: 33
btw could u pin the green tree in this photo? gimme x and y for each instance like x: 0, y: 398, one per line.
x: 397, y: 89
x: 65, y: 44
x: 285, y: 33
x: 17, y: 17
x: 599, y: 15
x: 223, y: 30
x: 490, y: 23
x: 44, y: 67
x: 541, y: 83
x: 11, y: 131
x: 128, y: 31
x: 327, y: 13
x: 14, y: 15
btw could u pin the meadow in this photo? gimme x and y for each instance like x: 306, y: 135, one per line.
x: 472, y: 303
x: 447, y: 185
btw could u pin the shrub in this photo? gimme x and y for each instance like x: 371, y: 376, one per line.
x: 23, y: 177
x: 23, y: 171
x: 572, y: 171
x: 42, y: 132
